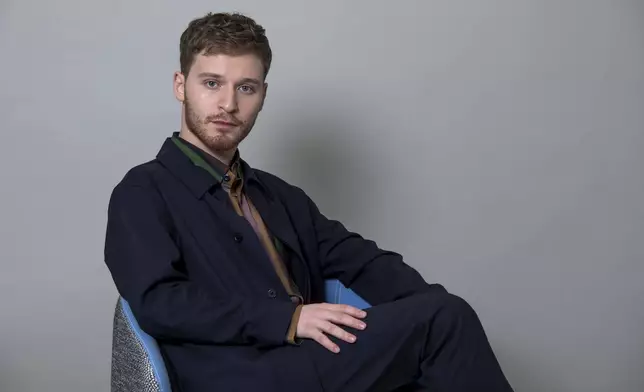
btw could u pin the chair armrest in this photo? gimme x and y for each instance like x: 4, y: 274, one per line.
x: 337, y: 293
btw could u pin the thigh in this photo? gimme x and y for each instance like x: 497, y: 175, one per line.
x: 386, y: 354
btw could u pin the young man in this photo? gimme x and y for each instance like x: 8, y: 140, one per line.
x: 224, y: 264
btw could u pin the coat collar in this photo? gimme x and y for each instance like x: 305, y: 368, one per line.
x: 195, y: 178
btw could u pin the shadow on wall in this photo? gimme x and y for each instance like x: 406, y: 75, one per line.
x: 12, y: 375
x: 321, y: 156
x: 525, y: 374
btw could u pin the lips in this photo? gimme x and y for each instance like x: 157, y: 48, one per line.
x: 226, y: 124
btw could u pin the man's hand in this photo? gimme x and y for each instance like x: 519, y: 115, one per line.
x: 317, y: 320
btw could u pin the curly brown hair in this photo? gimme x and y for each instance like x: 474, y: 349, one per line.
x: 223, y: 33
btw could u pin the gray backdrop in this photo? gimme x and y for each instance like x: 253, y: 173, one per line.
x: 497, y: 144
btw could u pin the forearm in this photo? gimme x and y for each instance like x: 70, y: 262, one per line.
x: 183, y: 312
x: 149, y: 272
x: 377, y: 275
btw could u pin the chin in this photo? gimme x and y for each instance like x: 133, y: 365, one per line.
x: 219, y: 142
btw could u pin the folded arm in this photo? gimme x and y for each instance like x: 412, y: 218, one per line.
x: 377, y: 275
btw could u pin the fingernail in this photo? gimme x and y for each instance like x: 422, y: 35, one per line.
x: 352, y: 339
x: 363, y: 326
x: 336, y: 349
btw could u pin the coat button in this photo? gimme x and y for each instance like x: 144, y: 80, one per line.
x: 272, y: 293
x: 238, y: 238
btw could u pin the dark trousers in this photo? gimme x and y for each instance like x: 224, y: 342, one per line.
x: 430, y: 342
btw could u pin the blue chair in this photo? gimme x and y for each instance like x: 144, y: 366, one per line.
x: 137, y: 364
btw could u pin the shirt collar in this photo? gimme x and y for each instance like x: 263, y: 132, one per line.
x: 219, y: 169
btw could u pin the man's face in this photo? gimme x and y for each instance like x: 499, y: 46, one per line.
x: 222, y: 97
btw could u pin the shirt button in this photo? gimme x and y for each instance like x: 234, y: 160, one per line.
x: 238, y: 238
x: 272, y: 293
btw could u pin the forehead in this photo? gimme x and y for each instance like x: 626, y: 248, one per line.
x: 230, y: 67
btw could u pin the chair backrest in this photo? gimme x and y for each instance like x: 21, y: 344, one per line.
x: 137, y: 363
x: 336, y: 293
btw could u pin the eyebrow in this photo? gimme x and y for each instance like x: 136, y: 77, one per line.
x: 217, y: 76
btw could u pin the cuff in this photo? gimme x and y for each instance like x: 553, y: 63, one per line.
x: 292, y: 329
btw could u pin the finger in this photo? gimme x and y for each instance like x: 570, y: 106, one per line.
x: 345, y: 319
x: 338, y: 332
x: 348, y: 309
x: 326, y: 342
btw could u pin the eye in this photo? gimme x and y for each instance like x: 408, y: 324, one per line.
x: 246, y: 89
x: 211, y: 83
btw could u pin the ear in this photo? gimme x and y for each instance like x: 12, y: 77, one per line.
x: 179, y: 86
x: 264, y: 96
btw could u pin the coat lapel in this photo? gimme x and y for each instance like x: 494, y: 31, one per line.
x: 276, y: 219
x: 279, y: 224
x: 271, y: 210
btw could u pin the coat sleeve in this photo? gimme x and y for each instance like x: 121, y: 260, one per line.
x: 146, y: 264
x: 376, y: 274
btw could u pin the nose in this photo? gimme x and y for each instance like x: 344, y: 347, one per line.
x: 228, y: 99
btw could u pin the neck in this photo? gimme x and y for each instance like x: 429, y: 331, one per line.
x: 224, y: 156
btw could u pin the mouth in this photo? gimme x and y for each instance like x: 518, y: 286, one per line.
x: 224, y: 124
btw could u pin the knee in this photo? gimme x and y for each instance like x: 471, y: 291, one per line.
x: 457, y: 304
x: 449, y: 306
